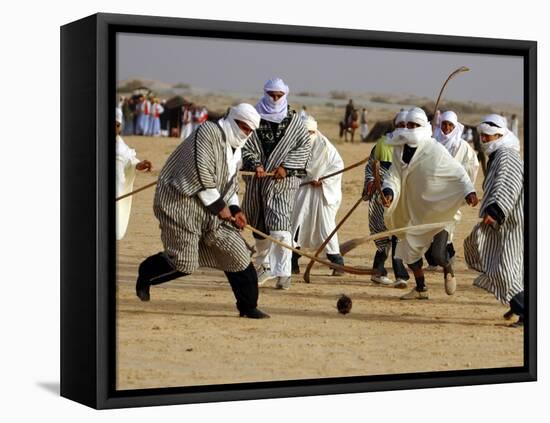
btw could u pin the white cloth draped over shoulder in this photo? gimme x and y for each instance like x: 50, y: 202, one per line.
x: 126, y: 162
x: 430, y: 189
x: 316, y: 207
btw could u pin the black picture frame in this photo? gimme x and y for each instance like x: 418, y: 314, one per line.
x: 87, y: 209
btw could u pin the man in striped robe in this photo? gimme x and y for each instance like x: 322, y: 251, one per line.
x: 425, y: 185
x: 197, y: 206
x: 495, y: 245
x: 383, y: 153
x: 449, y: 134
x: 281, y: 145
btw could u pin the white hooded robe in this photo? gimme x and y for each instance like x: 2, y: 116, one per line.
x: 316, y: 207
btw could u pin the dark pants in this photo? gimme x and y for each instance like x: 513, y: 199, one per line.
x: 158, y: 269
x: 416, y: 267
x: 517, y: 304
x: 440, y: 252
x: 380, y: 258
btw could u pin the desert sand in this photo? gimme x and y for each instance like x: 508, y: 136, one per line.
x: 190, y: 332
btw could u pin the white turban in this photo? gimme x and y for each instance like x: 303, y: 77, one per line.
x: 413, y: 137
x: 246, y: 113
x: 275, y: 84
x: 449, y: 116
x: 450, y: 141
x: 400, y: 117
x: 507, y: 140
x: 273, y: 111
x: 310, y: 123
x: 118, y: 115
x: 418, y: 116
x: 233, y: 134
x: 500, y: 122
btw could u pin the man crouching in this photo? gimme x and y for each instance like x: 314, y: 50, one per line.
x: 198, y: 209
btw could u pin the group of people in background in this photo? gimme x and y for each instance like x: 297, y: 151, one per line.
x: 426, y: 172
x: 141, y: 115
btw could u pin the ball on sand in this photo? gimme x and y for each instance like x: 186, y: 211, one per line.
x: 344, y: 304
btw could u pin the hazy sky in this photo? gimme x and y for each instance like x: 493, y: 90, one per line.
x: 244, y: 66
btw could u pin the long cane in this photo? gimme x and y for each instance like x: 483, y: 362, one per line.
x: 348, y: 269
x: 347, y: 246
x: 326, y: 241
x: 330, y: 175
x: 451, y: 76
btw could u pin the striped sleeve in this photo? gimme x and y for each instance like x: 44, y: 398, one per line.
x: 369, y: 177
x: 250, y: 157
x: 297, y: 158
x: 204, y: 157
x: 506, y: 181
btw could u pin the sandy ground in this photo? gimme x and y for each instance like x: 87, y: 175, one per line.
x: 190, y: 332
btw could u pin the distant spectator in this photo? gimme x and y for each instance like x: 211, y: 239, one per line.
x: 364, y: 125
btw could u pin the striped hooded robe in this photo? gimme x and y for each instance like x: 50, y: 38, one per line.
x: 268, y: 203
x: 192, y: 236
x: 498, y: 252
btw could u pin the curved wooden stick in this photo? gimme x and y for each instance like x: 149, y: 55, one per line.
x: 451, y: 76
x: 347, y: 246
x: 326, y: 241
x: 330, y: 175
x: 348, y: 269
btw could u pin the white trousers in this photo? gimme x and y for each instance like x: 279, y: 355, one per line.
x: 280, y: 258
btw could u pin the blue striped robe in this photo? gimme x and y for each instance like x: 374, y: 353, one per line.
x: 268, y: 203
x: 498, y: 253
x: 192, y: 236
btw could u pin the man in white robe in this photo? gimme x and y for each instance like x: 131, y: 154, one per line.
x: 449, y: 134
x: 495, y: 245
x: 425, y: 185
x: 364, y: 125
x: 126, y: 165
x: 316, y: 205
x: 156, y: 111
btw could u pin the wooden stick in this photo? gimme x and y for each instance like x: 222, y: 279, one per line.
x: 347, y: 246
x: 330, y: 175
x: 326, y: 241
x: 252, y: 173
x: 451, y: 76
x: 348, y: 269
x: 137, y: 190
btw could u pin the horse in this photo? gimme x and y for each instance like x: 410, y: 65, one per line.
x: 350, y: 126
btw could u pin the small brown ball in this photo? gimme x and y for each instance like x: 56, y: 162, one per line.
x: 344, y: 304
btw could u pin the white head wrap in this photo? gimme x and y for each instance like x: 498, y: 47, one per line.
x: 245, y: 113
x: 118, y: 115
x: 273, y: 111
x: 413, y: 137
x: 507, y: 140
x: 450, y: 141
x: 400, y: 117
x: 310, y: 123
